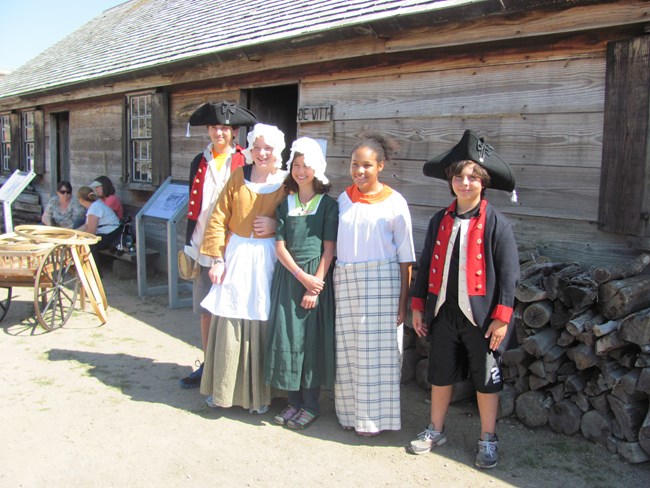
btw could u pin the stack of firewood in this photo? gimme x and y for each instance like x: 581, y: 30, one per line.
x: 581, y: 363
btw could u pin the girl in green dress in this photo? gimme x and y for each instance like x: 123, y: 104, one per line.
x: 300, y: 353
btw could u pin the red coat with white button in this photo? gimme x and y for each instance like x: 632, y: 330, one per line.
x: 198, y: 170
x: 492, y: 265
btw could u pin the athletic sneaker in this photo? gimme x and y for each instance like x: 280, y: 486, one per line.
x: 287, y: 414
x: 426, y: 440
x: 193, y: 380
x: 487, y: 456
x: 259, y: 411
x: 209, y: 401
x: 302, y: 420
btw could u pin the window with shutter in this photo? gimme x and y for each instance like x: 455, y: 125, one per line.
x: 15, y: 122
x: 146, y: 140
x: 5, y: 143
x: 27, y: 162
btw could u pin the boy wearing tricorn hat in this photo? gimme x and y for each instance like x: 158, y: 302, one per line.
x: 464, y: 290
x: 209, y: 172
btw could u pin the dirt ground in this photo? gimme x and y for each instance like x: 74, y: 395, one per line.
x: 100, y: 406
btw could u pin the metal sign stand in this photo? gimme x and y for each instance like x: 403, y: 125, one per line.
x: 168, y: 203
x: 13, y: 187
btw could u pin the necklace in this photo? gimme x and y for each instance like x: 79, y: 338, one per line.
x: 308, y: 200
x: 307, y: 207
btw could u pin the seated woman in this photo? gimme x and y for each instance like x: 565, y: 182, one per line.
x: 104, y: 189
x: 100, y: 219
x: 62, y: 210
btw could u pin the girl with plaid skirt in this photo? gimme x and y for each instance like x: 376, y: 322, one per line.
x: 371, y: 280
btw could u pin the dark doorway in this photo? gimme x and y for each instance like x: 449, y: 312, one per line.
x: 277, y: 106
x: 60, y: 147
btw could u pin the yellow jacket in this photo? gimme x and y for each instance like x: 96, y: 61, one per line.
x: 235, y: 211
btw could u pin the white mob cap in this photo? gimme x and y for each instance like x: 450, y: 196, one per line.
x: 273, y: 137
x: 313, y: 154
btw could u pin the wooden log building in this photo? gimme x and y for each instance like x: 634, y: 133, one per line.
x: 559, y: 87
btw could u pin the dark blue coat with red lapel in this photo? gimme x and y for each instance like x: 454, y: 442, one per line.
x: 492, y: 267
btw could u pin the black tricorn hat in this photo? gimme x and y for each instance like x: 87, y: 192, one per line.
x: 474, y: 148
x: 222, y: 113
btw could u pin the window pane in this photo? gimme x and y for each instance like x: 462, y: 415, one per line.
x: 28, y: 126
x: 27, y: 163
x: 6, y: 129
x: 142, y: 163
x: 5, y: 142
x: 140, y: 122
x: 29, y: 156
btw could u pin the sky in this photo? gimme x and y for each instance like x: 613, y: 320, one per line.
x: 29, y: 27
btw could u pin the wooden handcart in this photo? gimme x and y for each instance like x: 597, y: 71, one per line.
x: 58, y: 264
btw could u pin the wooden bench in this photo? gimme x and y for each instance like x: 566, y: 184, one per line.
x: 126, y: 271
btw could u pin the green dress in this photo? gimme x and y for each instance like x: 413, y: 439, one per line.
x: 301, y: 347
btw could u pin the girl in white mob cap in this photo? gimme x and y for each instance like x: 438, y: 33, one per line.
x: 239, y: 239
x: 300, y: 354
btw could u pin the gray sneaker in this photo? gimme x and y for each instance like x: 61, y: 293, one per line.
x: 209, y: 401
x: 426, y: 440
x: 487, y: 456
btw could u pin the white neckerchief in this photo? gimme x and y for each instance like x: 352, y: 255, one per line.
x: 462, y: 226
x: 296, y: 210
x: 272, y: 183
x: 213, y: 183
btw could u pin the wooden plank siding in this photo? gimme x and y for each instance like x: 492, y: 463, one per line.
x: 544, y: 115
x: 440, y: 38
x: 182, y: 105
x: 539, y: 101
x: 96, y: 144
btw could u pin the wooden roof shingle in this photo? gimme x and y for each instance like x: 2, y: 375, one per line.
x: 140, y: 34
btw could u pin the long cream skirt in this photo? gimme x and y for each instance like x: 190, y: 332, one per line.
x: 233, y: 373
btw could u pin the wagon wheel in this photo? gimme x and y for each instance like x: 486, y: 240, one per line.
x: 55, y: 235
x: 56, y: 287
x: 5, y: 301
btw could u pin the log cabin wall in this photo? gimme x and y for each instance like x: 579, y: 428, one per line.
x: 96, y: 145
x: 96, y: 149
x: 540, y: 106
x: 182, y: 105
x: 534, y: 84
x: 184, y: 149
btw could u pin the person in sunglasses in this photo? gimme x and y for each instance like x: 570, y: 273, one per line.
x: 62, y: 210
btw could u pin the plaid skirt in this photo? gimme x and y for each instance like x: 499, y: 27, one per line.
x: 367, y: 389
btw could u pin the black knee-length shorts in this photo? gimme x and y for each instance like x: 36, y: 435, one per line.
x: 459, y: 349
